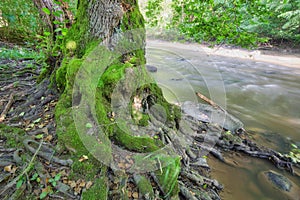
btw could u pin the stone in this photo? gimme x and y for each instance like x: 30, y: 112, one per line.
x: 209, y: 114
x: 279, y: 181
x: 151, y: 68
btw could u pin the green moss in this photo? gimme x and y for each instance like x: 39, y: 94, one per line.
x: 79, y: 47
x: 99, y: 191
x: 65, y: 75
x: 144, y: 121
x: 79, y: 33
x: 133, y: 20
x: 110, y: 78
x: 13, y: 136
x: 144, y: 186
x: 87, y: 170
x: 138, y: 144
x: 61, y: 75
x: 173, y: 112
x: 45, y: 72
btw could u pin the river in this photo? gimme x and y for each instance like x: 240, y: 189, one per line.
x: 263, y: 91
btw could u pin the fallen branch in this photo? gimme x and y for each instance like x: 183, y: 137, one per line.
x: 211, y: 102
x: 7, y: 107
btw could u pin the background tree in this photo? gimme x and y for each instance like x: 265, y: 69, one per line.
x: 242, y: 23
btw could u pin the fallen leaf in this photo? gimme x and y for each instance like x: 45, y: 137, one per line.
x: 27, y: 129
x: 22, y: 114
x: 83, y: 158
x: 135, y: 195
x: 48, y: 138
x: 82, y: 184
x: 294, y: 146
x: 39, y: 136
x: 129, y: 194
x: 72, y: 184
x: 14, y: 169
x: 88, y: 184
x: 53, y: 174
x: 8, y: 168
x: 77, y: 190
x: 37, y: 120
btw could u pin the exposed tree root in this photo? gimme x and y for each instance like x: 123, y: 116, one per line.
x: 7, y: 107
x: 46, y: 153
x: 26, y: 170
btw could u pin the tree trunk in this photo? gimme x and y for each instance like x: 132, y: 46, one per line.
x: 61, y: 7
x: 107, y: 96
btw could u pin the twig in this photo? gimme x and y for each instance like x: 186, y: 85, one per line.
x: 7, y: 107
x: 204, y: 98
x: 26, y: 170
x: 7, y: 87
x: 201, y: 96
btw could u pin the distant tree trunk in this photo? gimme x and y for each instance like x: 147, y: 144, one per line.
x: 65, y: 16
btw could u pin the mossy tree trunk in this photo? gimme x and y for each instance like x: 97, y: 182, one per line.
x: 104, y: 68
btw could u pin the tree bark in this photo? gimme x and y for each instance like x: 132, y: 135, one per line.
x: 115, y: 28
x: 62, y: 6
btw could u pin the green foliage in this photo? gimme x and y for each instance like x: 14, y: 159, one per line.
x: 286, y: 16
x: 239, y: 22
x: 54, y: 180
x: 20, y: 20
x: 214, y: 21
x: 19, y: 53
x: 52, y: 41
x: 153, y: 12
x: 168, y: 176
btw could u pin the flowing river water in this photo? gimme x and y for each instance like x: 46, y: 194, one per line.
x: 262, y: 91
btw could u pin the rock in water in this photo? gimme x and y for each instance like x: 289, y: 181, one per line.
x: 209, y: 114
x: 151, y: 68
x: 285, y: 188
x: 279, y: 181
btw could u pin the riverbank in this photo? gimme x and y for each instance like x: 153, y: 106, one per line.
x: 263, y: 96
x: 283, y: 57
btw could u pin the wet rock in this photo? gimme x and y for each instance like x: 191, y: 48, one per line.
x: 209, y: 114
x: 176, y: 79
x: 201, y: 162
x: 281, y: 186
x: 279, y: 181
x: 181, y: 59
x: 151, y: 68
